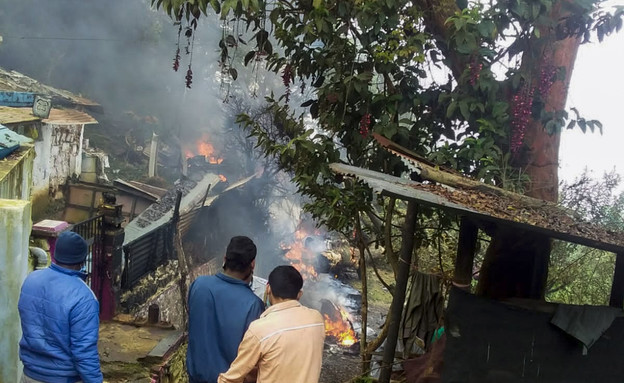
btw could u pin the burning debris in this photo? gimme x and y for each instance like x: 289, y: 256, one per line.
x: 301, y: 257
x: 338, y: 324
x: 338, y: 303
x: 204, y: 147
x: 166, y: 203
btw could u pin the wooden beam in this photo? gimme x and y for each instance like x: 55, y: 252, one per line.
x: 466, y: 246
x: 617, y: 288
x: 398, y: 299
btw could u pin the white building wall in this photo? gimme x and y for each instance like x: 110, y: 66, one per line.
x: 59, y: 156
x: 41, y: 171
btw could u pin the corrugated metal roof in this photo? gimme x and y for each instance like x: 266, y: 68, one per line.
x: 69, y: 116
x: 147, y: 191
x: 10, y: 115
x: 474, y: 205
x: 136, y: 228
x: 18, y: 82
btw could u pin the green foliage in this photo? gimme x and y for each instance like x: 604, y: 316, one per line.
x: 578, y: 274
x: 392, y: 67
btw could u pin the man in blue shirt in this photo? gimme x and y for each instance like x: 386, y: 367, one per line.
x: 221, y: 307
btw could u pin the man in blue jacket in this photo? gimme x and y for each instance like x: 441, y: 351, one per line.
x: 60, y: 319
x: 221, y: 307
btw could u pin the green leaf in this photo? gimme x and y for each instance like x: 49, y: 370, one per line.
x: 250, y: 55
x: 464, y: 109
x: 450, y: 111
x: 365, y: 76
x: 216, y: 5
x: 233, y: 73
x: 571, y: 124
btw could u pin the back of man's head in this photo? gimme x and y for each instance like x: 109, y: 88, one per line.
x: 71, y: 249
x: 285, y: 282
x: 239, y: 254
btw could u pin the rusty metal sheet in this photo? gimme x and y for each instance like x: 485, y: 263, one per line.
x: 69, y: 117
x: 9, y: 115
x: 385, y: 184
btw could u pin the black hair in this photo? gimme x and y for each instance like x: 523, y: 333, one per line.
x: 239, y: 254
x: 285, y: 282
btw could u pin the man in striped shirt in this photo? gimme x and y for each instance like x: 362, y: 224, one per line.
x: 286, y: 342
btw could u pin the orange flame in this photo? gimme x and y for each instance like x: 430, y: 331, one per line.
x: 299, y: 256
x: 340, y: 329
x: 204, y: 148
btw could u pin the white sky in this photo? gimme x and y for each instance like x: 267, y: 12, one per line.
x: 597, y: 91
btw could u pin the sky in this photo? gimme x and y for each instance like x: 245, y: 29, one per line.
x: 596, y: 90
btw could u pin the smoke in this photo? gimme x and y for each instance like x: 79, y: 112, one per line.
x: 120, y: 54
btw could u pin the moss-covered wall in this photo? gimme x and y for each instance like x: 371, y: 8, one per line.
x: 162, y: 288
x: 15, y: 228
x: 175, y: 369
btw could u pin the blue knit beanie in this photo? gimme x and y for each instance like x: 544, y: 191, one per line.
x: 71, y: 249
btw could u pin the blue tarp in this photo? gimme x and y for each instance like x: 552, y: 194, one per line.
x: 10, y: 141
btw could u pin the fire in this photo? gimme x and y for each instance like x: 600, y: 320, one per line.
x: 222, y: 178
x: 204, y: 148
x: 299, y: 256
x: 340, y: 329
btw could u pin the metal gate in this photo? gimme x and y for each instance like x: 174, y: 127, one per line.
x: 92, y: 231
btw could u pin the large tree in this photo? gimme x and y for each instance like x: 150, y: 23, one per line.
x: 477, y: 86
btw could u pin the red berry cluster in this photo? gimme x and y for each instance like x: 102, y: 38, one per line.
x: 189, y: 77
x: 365, y: 122
x: 176, y: 60
x: 547, y: 78
x: 522, y: 102
x: 287, y: 75
x: 475, y: 72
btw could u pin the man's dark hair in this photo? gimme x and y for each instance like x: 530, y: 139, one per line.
x: 239, y: 254
x: 285, y: 282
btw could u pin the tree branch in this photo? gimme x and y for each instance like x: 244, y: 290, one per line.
x: 435, y: 14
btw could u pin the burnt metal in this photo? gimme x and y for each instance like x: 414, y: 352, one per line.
x: 146, y: 253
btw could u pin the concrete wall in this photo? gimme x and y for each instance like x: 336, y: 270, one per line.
x: 41, y: 173
x: 15, y: 228
x: 15, y: 175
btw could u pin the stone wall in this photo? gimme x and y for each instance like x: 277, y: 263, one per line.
x: 163, y: 288
x: 59, y: 156
x: 65, y: 154
x: 15, y: 223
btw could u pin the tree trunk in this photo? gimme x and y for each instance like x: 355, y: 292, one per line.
x: 398, y: 299
x: 543, y: 147
x: 516, y: 262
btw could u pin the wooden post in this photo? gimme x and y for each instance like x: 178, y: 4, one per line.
x: 466, y: 246
x: 617, y: 287
x: 183, y: 267
x: 398, y: 299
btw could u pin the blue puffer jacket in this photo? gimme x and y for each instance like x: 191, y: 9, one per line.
x: 60, y: 323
